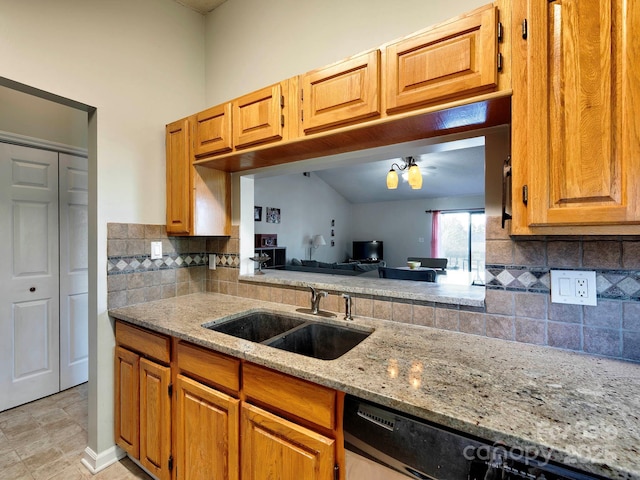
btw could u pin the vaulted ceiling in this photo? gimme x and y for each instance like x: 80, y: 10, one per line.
x: 201, y: 6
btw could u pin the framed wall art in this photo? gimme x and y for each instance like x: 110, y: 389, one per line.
x: 257, y: 214
x: 273, y: 215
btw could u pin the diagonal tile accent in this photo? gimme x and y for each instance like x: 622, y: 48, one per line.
x: 610, y: 284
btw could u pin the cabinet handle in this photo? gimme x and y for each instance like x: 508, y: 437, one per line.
x: 506, y: 183
x: 525, y: 29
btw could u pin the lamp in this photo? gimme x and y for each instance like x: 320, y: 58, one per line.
x: 414, y: 174
x: 316, y: 241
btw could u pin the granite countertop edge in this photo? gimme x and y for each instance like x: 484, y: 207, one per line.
x: 463, y: 295
x: 526, y: 396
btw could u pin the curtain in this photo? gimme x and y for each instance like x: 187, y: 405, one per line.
x: 435, y: 234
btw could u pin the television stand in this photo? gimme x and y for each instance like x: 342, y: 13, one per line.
x: 366, y: 260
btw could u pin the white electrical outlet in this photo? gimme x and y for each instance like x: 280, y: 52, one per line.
x: 212, y: 261
x: 577, y: 287
x: 156, y: 250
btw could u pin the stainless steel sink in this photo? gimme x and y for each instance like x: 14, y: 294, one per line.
x: 325, y: 341
x: 257, y: 326
x: 320, y: 340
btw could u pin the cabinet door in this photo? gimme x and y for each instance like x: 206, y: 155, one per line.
x: 206, y: 432
x: 276, y: 448
x: 453, y: 60
x: 342, y: 93
x: 258, y: 117
x: 127, y: 396
x: 178, y: 166
x: 155, y: 418
x: 212, y: 131
x: 582, y: 146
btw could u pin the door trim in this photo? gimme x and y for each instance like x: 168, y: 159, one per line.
x: 26, y: 141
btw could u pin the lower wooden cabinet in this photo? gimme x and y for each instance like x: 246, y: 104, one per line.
x: 206, y: 432
x: 142, y: 398
x: 222, y: 419
x: 127, y: 404
x: 155, y: 418
x: 273, y: 447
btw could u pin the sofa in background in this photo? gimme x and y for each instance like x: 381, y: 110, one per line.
x: 343, y: 268
x: 435, y: 263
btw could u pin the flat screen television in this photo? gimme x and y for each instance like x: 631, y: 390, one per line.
x: 369, y: 250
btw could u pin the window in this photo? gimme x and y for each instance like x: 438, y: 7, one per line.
x: 462, y: 241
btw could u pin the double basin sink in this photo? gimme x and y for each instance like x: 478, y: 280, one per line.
x: 325, y: 341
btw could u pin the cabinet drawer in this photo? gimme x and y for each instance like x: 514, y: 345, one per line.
x: 456, y: 59
x: 302, y: 399
x: 210, y: 367
x: 150, y: 344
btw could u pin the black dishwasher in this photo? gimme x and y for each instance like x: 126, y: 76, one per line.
x: 420, y: 450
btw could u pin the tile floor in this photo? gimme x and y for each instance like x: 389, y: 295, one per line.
x: 45, y: 440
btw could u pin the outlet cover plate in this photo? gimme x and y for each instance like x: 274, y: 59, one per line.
x: 576, y: 287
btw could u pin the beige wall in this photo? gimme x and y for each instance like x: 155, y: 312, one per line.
x: 30, y: 116
x: 141, y: 64
x: 253, y: 43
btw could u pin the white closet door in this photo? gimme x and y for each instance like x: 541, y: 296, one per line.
x: 74, y: 258
x: 29, y: 296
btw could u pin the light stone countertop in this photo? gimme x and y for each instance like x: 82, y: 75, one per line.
x: 577, y: 409
x: 467, y: 295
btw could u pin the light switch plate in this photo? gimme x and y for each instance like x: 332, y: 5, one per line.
x: 212, y: 261
x: 156, y: 250
x: 576, y: 287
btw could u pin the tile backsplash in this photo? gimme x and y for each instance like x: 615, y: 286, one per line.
x: 517, y: 302
x: 132, y: 277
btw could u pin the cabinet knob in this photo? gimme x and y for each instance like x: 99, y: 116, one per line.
x: 32, y: 289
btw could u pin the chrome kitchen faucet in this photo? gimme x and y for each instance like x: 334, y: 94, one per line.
x: 315, y: 299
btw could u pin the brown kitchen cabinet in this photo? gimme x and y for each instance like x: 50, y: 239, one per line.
x: 342, y: 93
x: 289, y: 428
x: 452, y: 60
x: 212, y: 131
x: 576, y: 117
x: 262, y: 116
x: 178, y: 165
x: 231, y: 419
x: 207, y: 418
x: 198, y: 198
x: 273, y: 447
x: 206, y: 432
x: 142, y: 398
x: 390, y: 94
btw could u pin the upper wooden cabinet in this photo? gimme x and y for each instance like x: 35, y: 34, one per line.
x: 451, y: 60
x: 178, y: 169
x: 212, y: 131
x: 259, y: 117
x: 576, y: 118
x: 198, y: 198
x: 342, y: 93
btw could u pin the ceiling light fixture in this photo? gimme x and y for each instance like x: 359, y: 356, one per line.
x: 414, y: 174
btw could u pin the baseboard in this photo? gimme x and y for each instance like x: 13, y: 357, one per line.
x: 95, y: 462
